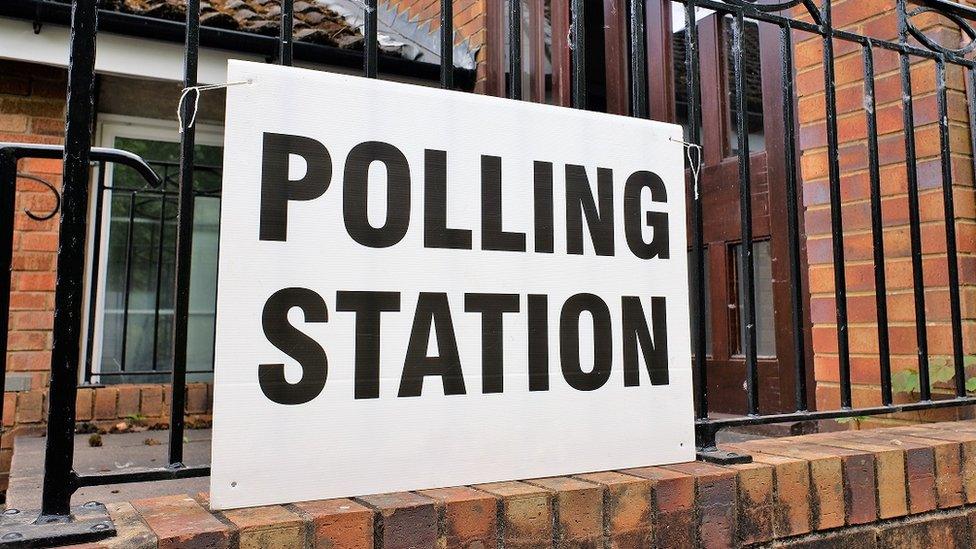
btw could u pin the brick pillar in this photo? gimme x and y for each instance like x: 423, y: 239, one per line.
x: 878, y: 19
x: 32, y: 102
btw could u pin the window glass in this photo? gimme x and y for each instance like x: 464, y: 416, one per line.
x: 679, y: 63
x: 139, y: 262
x: 753, y: 90
x: 763, y: 286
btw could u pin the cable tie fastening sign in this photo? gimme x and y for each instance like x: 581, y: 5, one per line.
x: 196, y: 100
x: 693, y: 151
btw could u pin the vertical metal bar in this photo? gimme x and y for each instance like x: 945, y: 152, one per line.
x: 877, y: 229
x: 447, y: 44
x: 59, y: 451
x: 697, y: 227
x: 159, y: 280
x: 371, y: 57
x: 96, y: 253
x: 184, y: 237
x: 127, y: 284
x: 285, y: 45
x: 836, y: 219
x: 952, y: 260
x: 515, y: 49
x: 914, y: 218
x: 638, y: 59
x: 792, y: 221
x: 740, y: 99
x: 578, y: 46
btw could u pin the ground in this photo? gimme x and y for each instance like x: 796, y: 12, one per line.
x: 118, y: 451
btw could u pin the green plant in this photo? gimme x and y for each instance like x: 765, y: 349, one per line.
x: 941, y: 370
x: 856, y: 420
x: 136, y: 419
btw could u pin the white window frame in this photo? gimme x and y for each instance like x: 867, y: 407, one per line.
x: 110, y: 127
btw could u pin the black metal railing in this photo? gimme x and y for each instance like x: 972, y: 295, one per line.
x: 790, y: 16
x: 152, y: 204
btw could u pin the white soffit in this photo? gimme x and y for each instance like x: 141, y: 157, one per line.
x: 117, y: 54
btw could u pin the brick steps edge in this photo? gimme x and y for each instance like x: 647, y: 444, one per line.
x: 881, y: 488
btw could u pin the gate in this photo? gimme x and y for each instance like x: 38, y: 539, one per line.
x: 59, y: 523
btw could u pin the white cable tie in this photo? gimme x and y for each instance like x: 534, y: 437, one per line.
x: 196, y: 100
x: 694, y: 161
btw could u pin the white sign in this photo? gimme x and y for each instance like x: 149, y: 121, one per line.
x: 421, y: 288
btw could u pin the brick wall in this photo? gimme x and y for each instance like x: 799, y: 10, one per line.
x: 469, y: 25
x: 32, y: 103
x: 892, y: 488
x: 876, y: 18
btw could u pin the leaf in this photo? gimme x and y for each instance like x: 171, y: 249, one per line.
x: 971, y: 385
x: 942, y: 372
x: 905, y: 381
x: 969, y: 360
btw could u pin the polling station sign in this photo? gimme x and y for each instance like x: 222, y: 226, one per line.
x: 422, y: 288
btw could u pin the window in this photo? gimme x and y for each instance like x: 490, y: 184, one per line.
x: 133, y: 280
x: 753, y: 90
x: 763, y: 286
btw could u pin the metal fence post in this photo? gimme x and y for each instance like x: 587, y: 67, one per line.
x: 58, y: 476
x: 57, y: 523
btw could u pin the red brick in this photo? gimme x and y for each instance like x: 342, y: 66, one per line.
x: 13, y: 123
x: 579, y: 508
x: 28, y: 361
x: 31, y: 301
x: 181, y: 523
x: 948, y: 465
x: 526, y: 513
x: 826, y: 474
x: 12, y: 85
x: 406, y: 520
x: 466, y: 517
x: 27, y: 341
x: 262, y: 527
x: 338, y: 523
x: 31, y: 320
x: 196, y: 398
x: 9, y: 409
x: 128, y: 400
x: 967, y: 442
x: 715, y: 502
x: 83, y: 404
x: 942, y: 531
x: 48, y: 126
x: 674, y: 504
x: 42, y: 242
x: 628, y: 508
x: 105, y: 403
x: 890, y: 469
x: 30, y: 407
x: 756, y: 502
x: 152, y: 401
